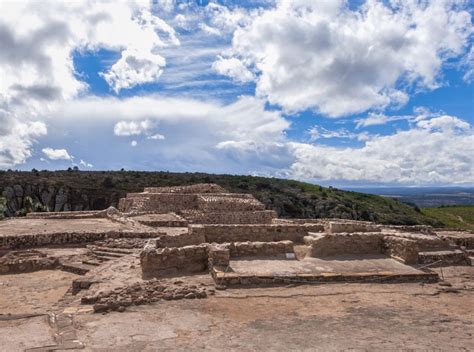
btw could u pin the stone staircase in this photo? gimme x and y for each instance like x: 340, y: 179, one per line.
x: 98, y: 256
x: 103, y: 254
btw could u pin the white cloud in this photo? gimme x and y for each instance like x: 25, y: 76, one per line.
x: 133, y: 143
x: 157, y: 136
x: 437, y: 150
x: 236, y: 137
x: 468, y: 64
x: 38, y: 42
x: 16, y: 139
x: 134, y: 68
x: 132, y: 128
x: 85, y: 164
x: 233, y: 68
x: 323, y: 56
x: 56, y: 154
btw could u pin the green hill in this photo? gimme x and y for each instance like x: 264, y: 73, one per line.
x: 460, y: 217
x: 80, y: 190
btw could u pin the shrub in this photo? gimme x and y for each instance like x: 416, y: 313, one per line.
x: 3, y: 207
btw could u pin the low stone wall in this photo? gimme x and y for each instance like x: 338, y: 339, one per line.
x: 68, y: 215
x: 161, y: 202
x: 402, y: 249
x: 229, y: 279
x: 260, y: 249
x: 228, y: 202
x: 412, y: 228
x: 44, y: 239
x: 180, y: 240
x: 261, y: 233
x: 25, y: 262
x: 444, y: 258
x: 350, y: 227
x: 168, y: 261
x: 326, y: 245
x: 234, y: 217
x: 196, y: 188
x: 426, y: 242
x: 464, y: 238
x: 297, y: 221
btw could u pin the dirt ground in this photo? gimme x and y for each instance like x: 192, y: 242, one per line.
x: 23, y: 226
x: 329, y: 317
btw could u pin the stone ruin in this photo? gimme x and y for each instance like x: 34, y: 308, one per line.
x: 165, y: 233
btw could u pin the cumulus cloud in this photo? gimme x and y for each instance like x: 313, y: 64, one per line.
x: 436, y: 150
x: 233, y: 68
x: 133, y: 128
x: 38, y: 41
x: 16, y: 140
x: 321, y: 55
x: 56, y: 154
x: 237, y: 137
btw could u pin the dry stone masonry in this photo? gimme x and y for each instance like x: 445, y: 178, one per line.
x: 177, y: 233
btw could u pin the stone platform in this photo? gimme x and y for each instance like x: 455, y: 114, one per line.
x: 277, y: 271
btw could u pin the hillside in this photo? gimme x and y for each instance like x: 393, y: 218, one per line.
x: 81, y: 190
x: 460, y: 217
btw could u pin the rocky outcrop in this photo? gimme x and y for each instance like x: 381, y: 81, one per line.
x: 54, y: 198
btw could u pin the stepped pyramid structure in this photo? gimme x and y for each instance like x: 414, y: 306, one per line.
x: 201, y: 203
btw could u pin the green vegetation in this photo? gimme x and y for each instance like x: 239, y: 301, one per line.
x: 98, y: 190
x: 3, y: 207
x: 459, y: 217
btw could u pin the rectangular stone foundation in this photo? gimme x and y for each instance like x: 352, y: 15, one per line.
x: 249, y: 280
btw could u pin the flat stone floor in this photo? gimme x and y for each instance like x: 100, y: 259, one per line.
x: 339, y: 264
x: 25, y: 226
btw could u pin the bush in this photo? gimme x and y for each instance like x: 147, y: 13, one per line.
x: 3, y: 207
x: 108, y: 182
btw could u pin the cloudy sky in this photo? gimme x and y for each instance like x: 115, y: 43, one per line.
x: 329, y: 91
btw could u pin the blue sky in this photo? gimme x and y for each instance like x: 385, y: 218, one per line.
x: 333, y: 92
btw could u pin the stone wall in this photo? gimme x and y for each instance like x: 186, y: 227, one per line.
x: 412, y: 228
x: 402, y: 249
x: 325, y: 245
x: 228, y: 202
x: 263, y: 233
x: 159, y: 202
x: 348, y: 227
x: 26, y: 261
x: 180, y: 240
x: 197, y: 188
x: 234, y: 217
x: 260, y: 249
x: 426, y: 242
x: 169, y: 261
x: 44, y: 239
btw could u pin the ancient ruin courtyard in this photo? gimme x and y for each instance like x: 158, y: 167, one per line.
x: 198, y: 268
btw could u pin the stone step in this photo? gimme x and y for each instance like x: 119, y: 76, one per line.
x: 76, y: 268
x: 92, y: 262
x: 103, y: 259
x: 107, y: 254
x: 111, y: 250
x: 443, y: 258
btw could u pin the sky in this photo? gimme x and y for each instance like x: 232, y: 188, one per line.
x: 343, y: 93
